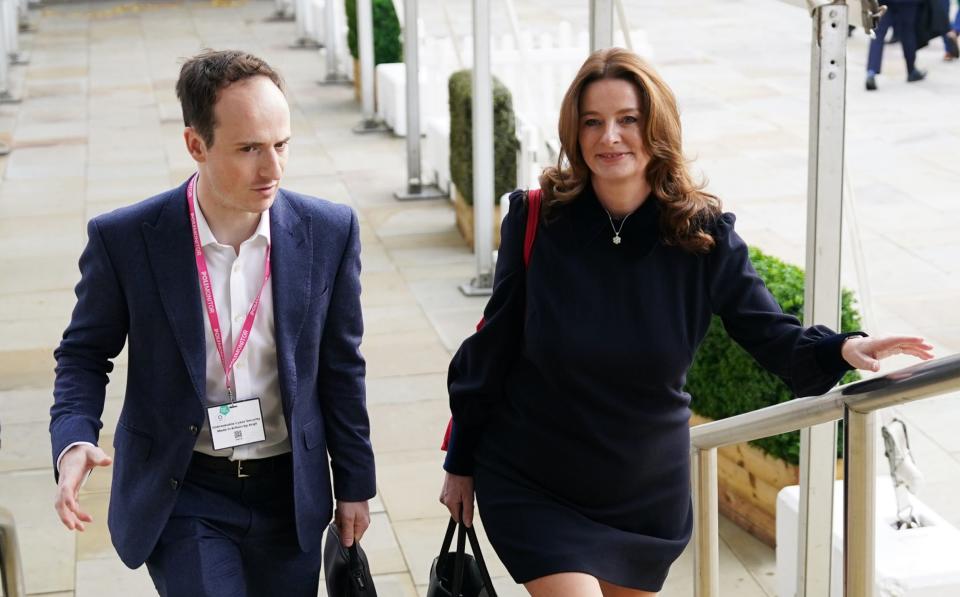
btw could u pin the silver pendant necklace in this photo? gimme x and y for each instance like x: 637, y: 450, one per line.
x: 616, y: 230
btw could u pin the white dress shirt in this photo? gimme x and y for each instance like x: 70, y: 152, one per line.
x: 235, y: 279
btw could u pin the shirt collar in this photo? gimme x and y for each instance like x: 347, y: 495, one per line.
x: 206, y: 235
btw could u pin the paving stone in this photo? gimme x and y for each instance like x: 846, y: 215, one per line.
x: 46, y: 547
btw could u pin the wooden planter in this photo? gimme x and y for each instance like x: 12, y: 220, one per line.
x: 465, y: 219
x: 748, y: 481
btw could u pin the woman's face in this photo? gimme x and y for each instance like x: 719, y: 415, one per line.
x: 611, y: 139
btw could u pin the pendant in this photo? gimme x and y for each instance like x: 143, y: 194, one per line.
x: 616, y: 239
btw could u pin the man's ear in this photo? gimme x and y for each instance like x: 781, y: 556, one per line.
x: 196, y: 146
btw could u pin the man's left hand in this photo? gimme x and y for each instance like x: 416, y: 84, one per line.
x: 352, y: 520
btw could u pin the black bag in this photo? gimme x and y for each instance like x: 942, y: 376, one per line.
x: 459, y: 574
x: 346, y: 568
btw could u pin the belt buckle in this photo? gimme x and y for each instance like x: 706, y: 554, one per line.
x: 240, y: 473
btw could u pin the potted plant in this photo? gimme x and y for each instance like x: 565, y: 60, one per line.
x: 505, y: 146
x: 387, y: 41
x: 724, y: 380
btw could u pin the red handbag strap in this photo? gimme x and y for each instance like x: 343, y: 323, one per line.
x: 533, y: 218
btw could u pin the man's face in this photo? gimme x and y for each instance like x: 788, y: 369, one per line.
x: 241, y: 171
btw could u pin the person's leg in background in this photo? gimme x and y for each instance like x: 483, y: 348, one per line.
x: 951, y: 51
x: 905, y: 21
x: 875, y: 55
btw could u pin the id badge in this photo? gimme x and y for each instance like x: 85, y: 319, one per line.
x: 235, y: 424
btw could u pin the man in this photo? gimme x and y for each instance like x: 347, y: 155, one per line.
x: 240, y: 304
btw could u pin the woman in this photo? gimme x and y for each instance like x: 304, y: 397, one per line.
x: 570, y: 418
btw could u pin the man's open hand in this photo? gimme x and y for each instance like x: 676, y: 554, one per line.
x: 74, y: 467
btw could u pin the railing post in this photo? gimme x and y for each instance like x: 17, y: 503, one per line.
x: 822, y: 296
x: 601, y: 24
x: 11, y: 568
x: 369, y: 124
x: 483, y: 172
x: 706, y: 533
x: 331, y: 44
x: 416, y: 189
x: 859, y: 503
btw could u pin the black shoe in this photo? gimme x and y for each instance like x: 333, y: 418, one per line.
x: 871, y: 83
x: 916, y: 75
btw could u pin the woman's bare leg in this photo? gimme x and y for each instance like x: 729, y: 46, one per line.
x: 612, y: 590
x: 565, y: 584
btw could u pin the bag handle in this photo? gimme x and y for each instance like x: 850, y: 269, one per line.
x: 533, y: 219
x: 478, y: 556
x: 463, y: 533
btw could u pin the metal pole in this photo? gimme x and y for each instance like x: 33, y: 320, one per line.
x: 822, y: 292
x: 601, y: 24
x: 411, y: 50
x: 331, y: 45
x: 706, y: 533
x: 282, y: 11
x: 483, y: 190
x: 12, y: 23
x: 369, y: 124
x: 859, y: 504
x: 6, y: 96
x: 624, y: 26
x: 303, y: 12
x: 11, y: 568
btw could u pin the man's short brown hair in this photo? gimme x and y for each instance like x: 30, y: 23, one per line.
x: 204, y: 75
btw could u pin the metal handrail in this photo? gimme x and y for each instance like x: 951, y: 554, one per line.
x: 855, y: 403
x: 11, y: 568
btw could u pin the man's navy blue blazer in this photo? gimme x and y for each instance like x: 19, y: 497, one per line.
x: 139, y: 285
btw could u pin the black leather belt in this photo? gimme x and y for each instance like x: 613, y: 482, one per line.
x: 241, y: 468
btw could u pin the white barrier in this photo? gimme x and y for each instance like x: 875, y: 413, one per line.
x: 920, y: 562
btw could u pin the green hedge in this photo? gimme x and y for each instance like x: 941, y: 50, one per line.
x: 725, y: 380
x: 387, y: 44
x: 505, y: 143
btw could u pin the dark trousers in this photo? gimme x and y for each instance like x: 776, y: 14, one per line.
x: 903, y: 18
x: 230, y: 537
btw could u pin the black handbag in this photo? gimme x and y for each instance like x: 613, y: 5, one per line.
x: 459, y: 574
x: 346, y: 568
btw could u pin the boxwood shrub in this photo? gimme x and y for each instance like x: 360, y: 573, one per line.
x: 387, y: 43
x: 725, y: 380
x: 505, y: 143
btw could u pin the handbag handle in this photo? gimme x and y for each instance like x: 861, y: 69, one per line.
x: 464, y: 532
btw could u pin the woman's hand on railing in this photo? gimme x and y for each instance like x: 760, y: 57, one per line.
x: 866, y: 352
x: 75, y: 465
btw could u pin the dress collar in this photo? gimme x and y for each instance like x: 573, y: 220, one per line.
x: 591, y: 224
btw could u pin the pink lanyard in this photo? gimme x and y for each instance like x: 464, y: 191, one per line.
x: 211, y: 303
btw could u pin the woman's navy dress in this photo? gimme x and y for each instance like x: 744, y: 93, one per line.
x: 568, y: 405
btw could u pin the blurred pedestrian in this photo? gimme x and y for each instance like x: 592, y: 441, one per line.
x: 902, y: 16
x: 951, y: 48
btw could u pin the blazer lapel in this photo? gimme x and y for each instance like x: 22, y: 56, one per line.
x: 291, y: 261
x: 170, y: 249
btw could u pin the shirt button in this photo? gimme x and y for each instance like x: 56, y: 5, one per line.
x: 174, y: 484
x: 238, y: 318
x: 194, y: 430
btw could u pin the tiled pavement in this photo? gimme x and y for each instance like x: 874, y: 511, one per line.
x: 99, y: 128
